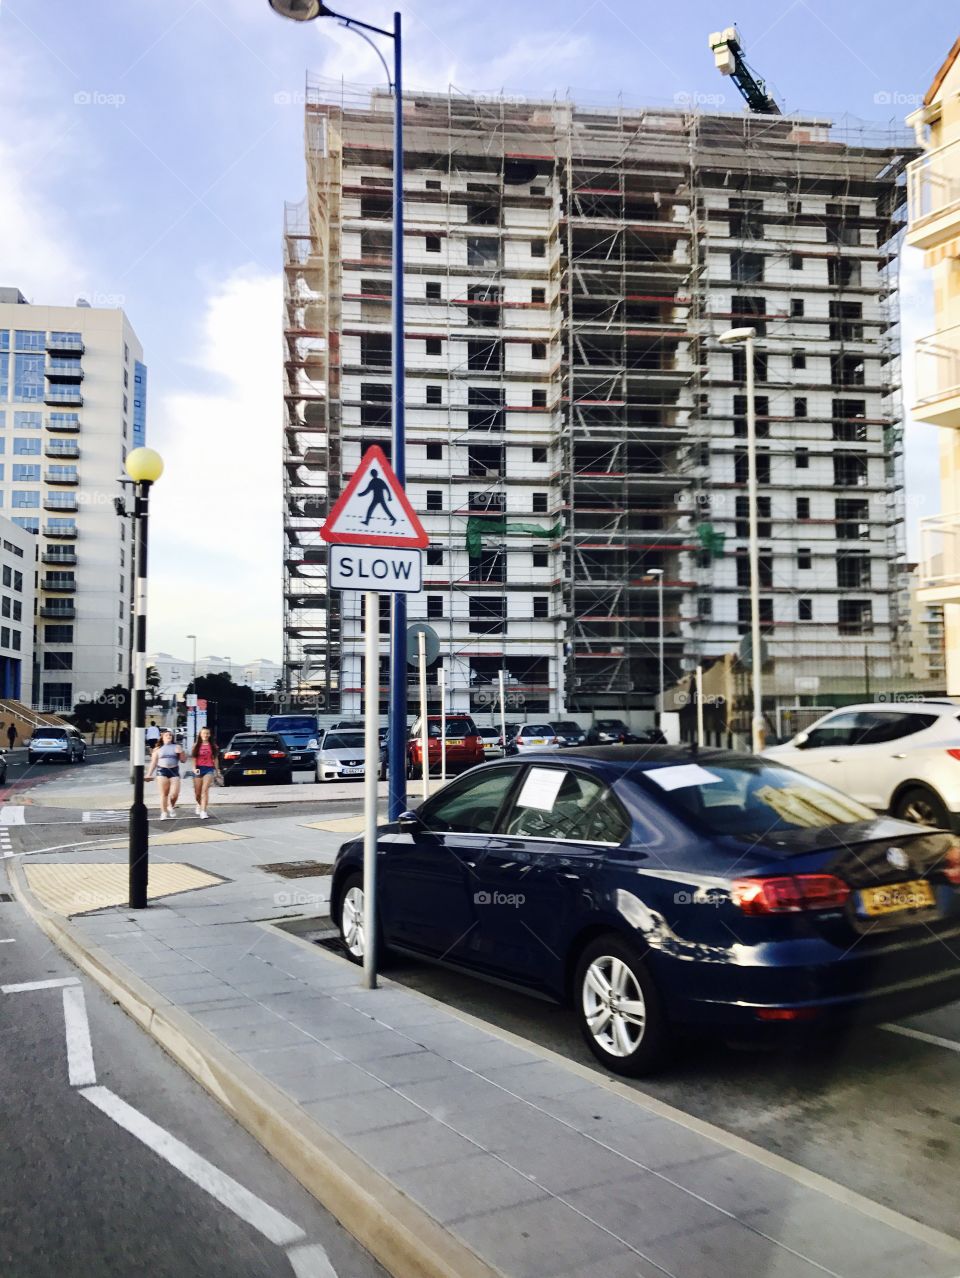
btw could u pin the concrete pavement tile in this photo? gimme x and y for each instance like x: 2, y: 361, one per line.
x: 491, y: 1054
x: 231, y: 1000
x: 459, y: 1092
x: 280, y: 1063
x: 466, y: 1187
x: 735, y: 1183
x: 536, y: 1239
x: 246, y: 1013
x: 661, y: 1143
x: 204, y: 995
x: 414, y: 1067
x: 368, y: 1047
x: 371, y: 1111
x: 640, y: 1209
x: 727, y: 1250
x: 538, y: 1080
x: 450, y: 1035
x: 628, y: 1265
x: 276, y: 1034
x: 422, y: 1144
x: 597, y: 1112
x: 556, y: 1158
x: 324, y: 1082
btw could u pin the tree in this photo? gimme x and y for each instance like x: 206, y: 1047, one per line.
x: 153, y: 685
x: 112, y: 706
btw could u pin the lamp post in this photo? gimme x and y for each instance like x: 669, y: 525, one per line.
x: 736, y: 337
x: 305, y: 11
x: 194, y: 638
x: 658, y: 573
x: 144, y: 466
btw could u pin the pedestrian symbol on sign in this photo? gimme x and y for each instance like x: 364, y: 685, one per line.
x: 381, y: 492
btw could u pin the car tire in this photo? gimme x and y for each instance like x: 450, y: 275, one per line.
x: 411, y: 771
x: 633, y: 1043
x: 922, y: 806
x: 349, y: 916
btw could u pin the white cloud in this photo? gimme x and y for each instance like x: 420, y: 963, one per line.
x: 215, y: 522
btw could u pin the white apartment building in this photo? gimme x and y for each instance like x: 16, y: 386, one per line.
x: 17, y: 572
x: 176, y: 673
x: 574, y: 429
x: 72, y: 402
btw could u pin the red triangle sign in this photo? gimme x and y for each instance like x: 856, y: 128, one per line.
x: 373, y: 509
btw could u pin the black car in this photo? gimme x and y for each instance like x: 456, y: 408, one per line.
x: 609, y: 732
x: 257, y: 757
x: 570, y: 733
x: 660, y: 889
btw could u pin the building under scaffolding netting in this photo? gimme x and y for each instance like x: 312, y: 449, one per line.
x: 573, y: 426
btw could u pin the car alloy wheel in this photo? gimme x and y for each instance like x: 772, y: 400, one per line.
x: 618, y: 1008
x: 351, y: 920
x: 923, y: 807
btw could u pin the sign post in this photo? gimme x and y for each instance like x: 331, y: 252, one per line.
x: 503, y: 713
x: 424, y: 725
x: 442, y: 680
x: 376, y: 543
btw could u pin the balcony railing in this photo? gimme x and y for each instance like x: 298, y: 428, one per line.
x: 60, y: 530
x: 56, y: 501
x: 58, y: 583
x: 66, y: 613
x: 938, y: 573
x: 937, y: 378
x: 933, y: 197
x: 61, y: 475
x: 63, y: 342
x: 63, y: 395
x: 68, y: 559
x: 63, y: 421
x: 64, y: 370
x: 61, y: 448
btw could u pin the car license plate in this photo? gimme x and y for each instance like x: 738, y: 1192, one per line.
x: 459, y: 741
x: 915, y: 895
x: 351, y: 771
x: 539, y: 741
x: 254, y: 772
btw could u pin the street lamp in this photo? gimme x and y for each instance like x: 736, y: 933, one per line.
x: 305, y: 11
x: 734, y: 337
x: 144, y: 466
x: 194, y: 638
x: 658, y: 573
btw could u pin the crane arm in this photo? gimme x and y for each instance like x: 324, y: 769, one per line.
x: 728, y: 52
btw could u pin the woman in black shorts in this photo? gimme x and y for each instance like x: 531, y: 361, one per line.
x: 165, y: 760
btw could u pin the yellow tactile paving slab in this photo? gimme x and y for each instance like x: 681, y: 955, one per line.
x: 193, y: 834
x: 78, y: 889
x: 340, y: 825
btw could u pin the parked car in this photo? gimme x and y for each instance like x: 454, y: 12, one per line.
x: 348, y: 725
x: 610, y: 732
x: 342, y: 756
x: 48, y: 744
x: 492, y: 742
x: 569, y: 733
x: 533, y: 736
x: 3, y: 767
x: 464, y: 745
x: 896, y: 757
x: 650, y: 736
x: 661, y: 889
x: 300, y: 735
x: 257, y: 757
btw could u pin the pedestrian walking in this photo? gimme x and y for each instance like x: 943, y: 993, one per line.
x: 152, y: 734
x: 165, y: 760
x: 12, y: 735
x: 379, y: 491
x: 206, y: 762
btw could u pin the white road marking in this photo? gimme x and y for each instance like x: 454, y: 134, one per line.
x: 79, y: 1048
x: 12, y: 815
x: 103, y: 815
x: 933, y: 1039
x: 7, y: 940
x: 26, y: 986
x: 264, y: 1218
x: 310, y: 1261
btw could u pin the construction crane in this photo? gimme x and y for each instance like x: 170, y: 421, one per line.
x: 728, y: 52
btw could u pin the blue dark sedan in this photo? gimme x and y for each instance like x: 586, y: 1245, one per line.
x: 662, y: 890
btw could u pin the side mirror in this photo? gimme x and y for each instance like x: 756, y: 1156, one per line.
x: 407, y: 822
x: 801, y: 739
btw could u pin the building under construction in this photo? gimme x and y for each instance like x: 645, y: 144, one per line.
x: 573, y: 426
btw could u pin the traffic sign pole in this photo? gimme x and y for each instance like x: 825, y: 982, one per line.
x: 503, y: 713
x: 424, y: 726
x: 371, y: 774
x: 441, y: 676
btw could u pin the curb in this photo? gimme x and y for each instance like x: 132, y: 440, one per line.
x: 400, y: 1235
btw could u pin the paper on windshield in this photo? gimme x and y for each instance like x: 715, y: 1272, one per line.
x: 682, y: 775
x: 540, y: 789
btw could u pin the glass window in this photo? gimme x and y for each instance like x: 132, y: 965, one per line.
x: 26, y: 497
x: 27, y: 421
x: 556, y: 804
x: 7, y: 575
x: 838, y: 730
x: 28, y: 377
x: 15, y: 640
x: 4, y: 636
x: 469, y: 806
x: 18, y: 580
x: 27, y: 474
x: 58, y: 634
x: 26, y: 447
x: 30, y: 339
x: 877, y: 727
x: 4, y: 375
x: 29, y: 523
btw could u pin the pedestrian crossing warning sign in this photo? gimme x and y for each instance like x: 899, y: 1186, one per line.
x: 373, y: 509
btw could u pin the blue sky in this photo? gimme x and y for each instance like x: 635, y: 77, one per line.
x: 146, y: 150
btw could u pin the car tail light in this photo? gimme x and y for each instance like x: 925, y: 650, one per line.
x: 231, y: 754
x: 278, y: 754
x: 951, y: 866
x: 789, y: 893
x: 954, y: 754
x: 786, y: 1013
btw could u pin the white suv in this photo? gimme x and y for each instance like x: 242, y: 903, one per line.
x: 902, y: 758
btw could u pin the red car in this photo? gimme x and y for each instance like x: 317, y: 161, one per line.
x: 464, y: 745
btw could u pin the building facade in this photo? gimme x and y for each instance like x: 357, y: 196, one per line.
x: 69, y: 401
x: 934, y: 227
x: 574, y: 429
x: 17, y: 573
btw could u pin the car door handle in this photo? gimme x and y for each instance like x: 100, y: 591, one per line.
x: 898, y: 756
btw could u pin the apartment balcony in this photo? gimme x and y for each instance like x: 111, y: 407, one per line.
x: 937, y: 378
x: 59, y: 584
x: 67, y: 559
x: 938, y: 573
x: 60, y: 530
x: 64, y: 370
x: 61, y: 475
x: 59, y: 448
x: 63, y: 612
x: 63, y: 422
x: 67, y: 395
x: 54, y: 501
x: 933, y: 197
x: 65, y: 342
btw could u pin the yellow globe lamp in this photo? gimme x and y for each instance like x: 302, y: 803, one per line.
x: 144, y: 465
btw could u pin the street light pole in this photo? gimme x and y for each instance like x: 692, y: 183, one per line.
x: 144, y: 466
x: 736, y: 336
x: 305, y: 11
x: 658, y: 573
x: 194, y: 680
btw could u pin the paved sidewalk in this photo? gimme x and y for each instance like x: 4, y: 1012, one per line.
x: 414, y: 1124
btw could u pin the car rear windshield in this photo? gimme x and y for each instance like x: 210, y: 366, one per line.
x: 750, y: 798
x: 537, y: 730
x: 489, y: 733
x: 292, y: 723
x: 50, y: 734
x: 455, y: 727
x: 343, y: 741
x: 262, y: 739
x: 563, y: 728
